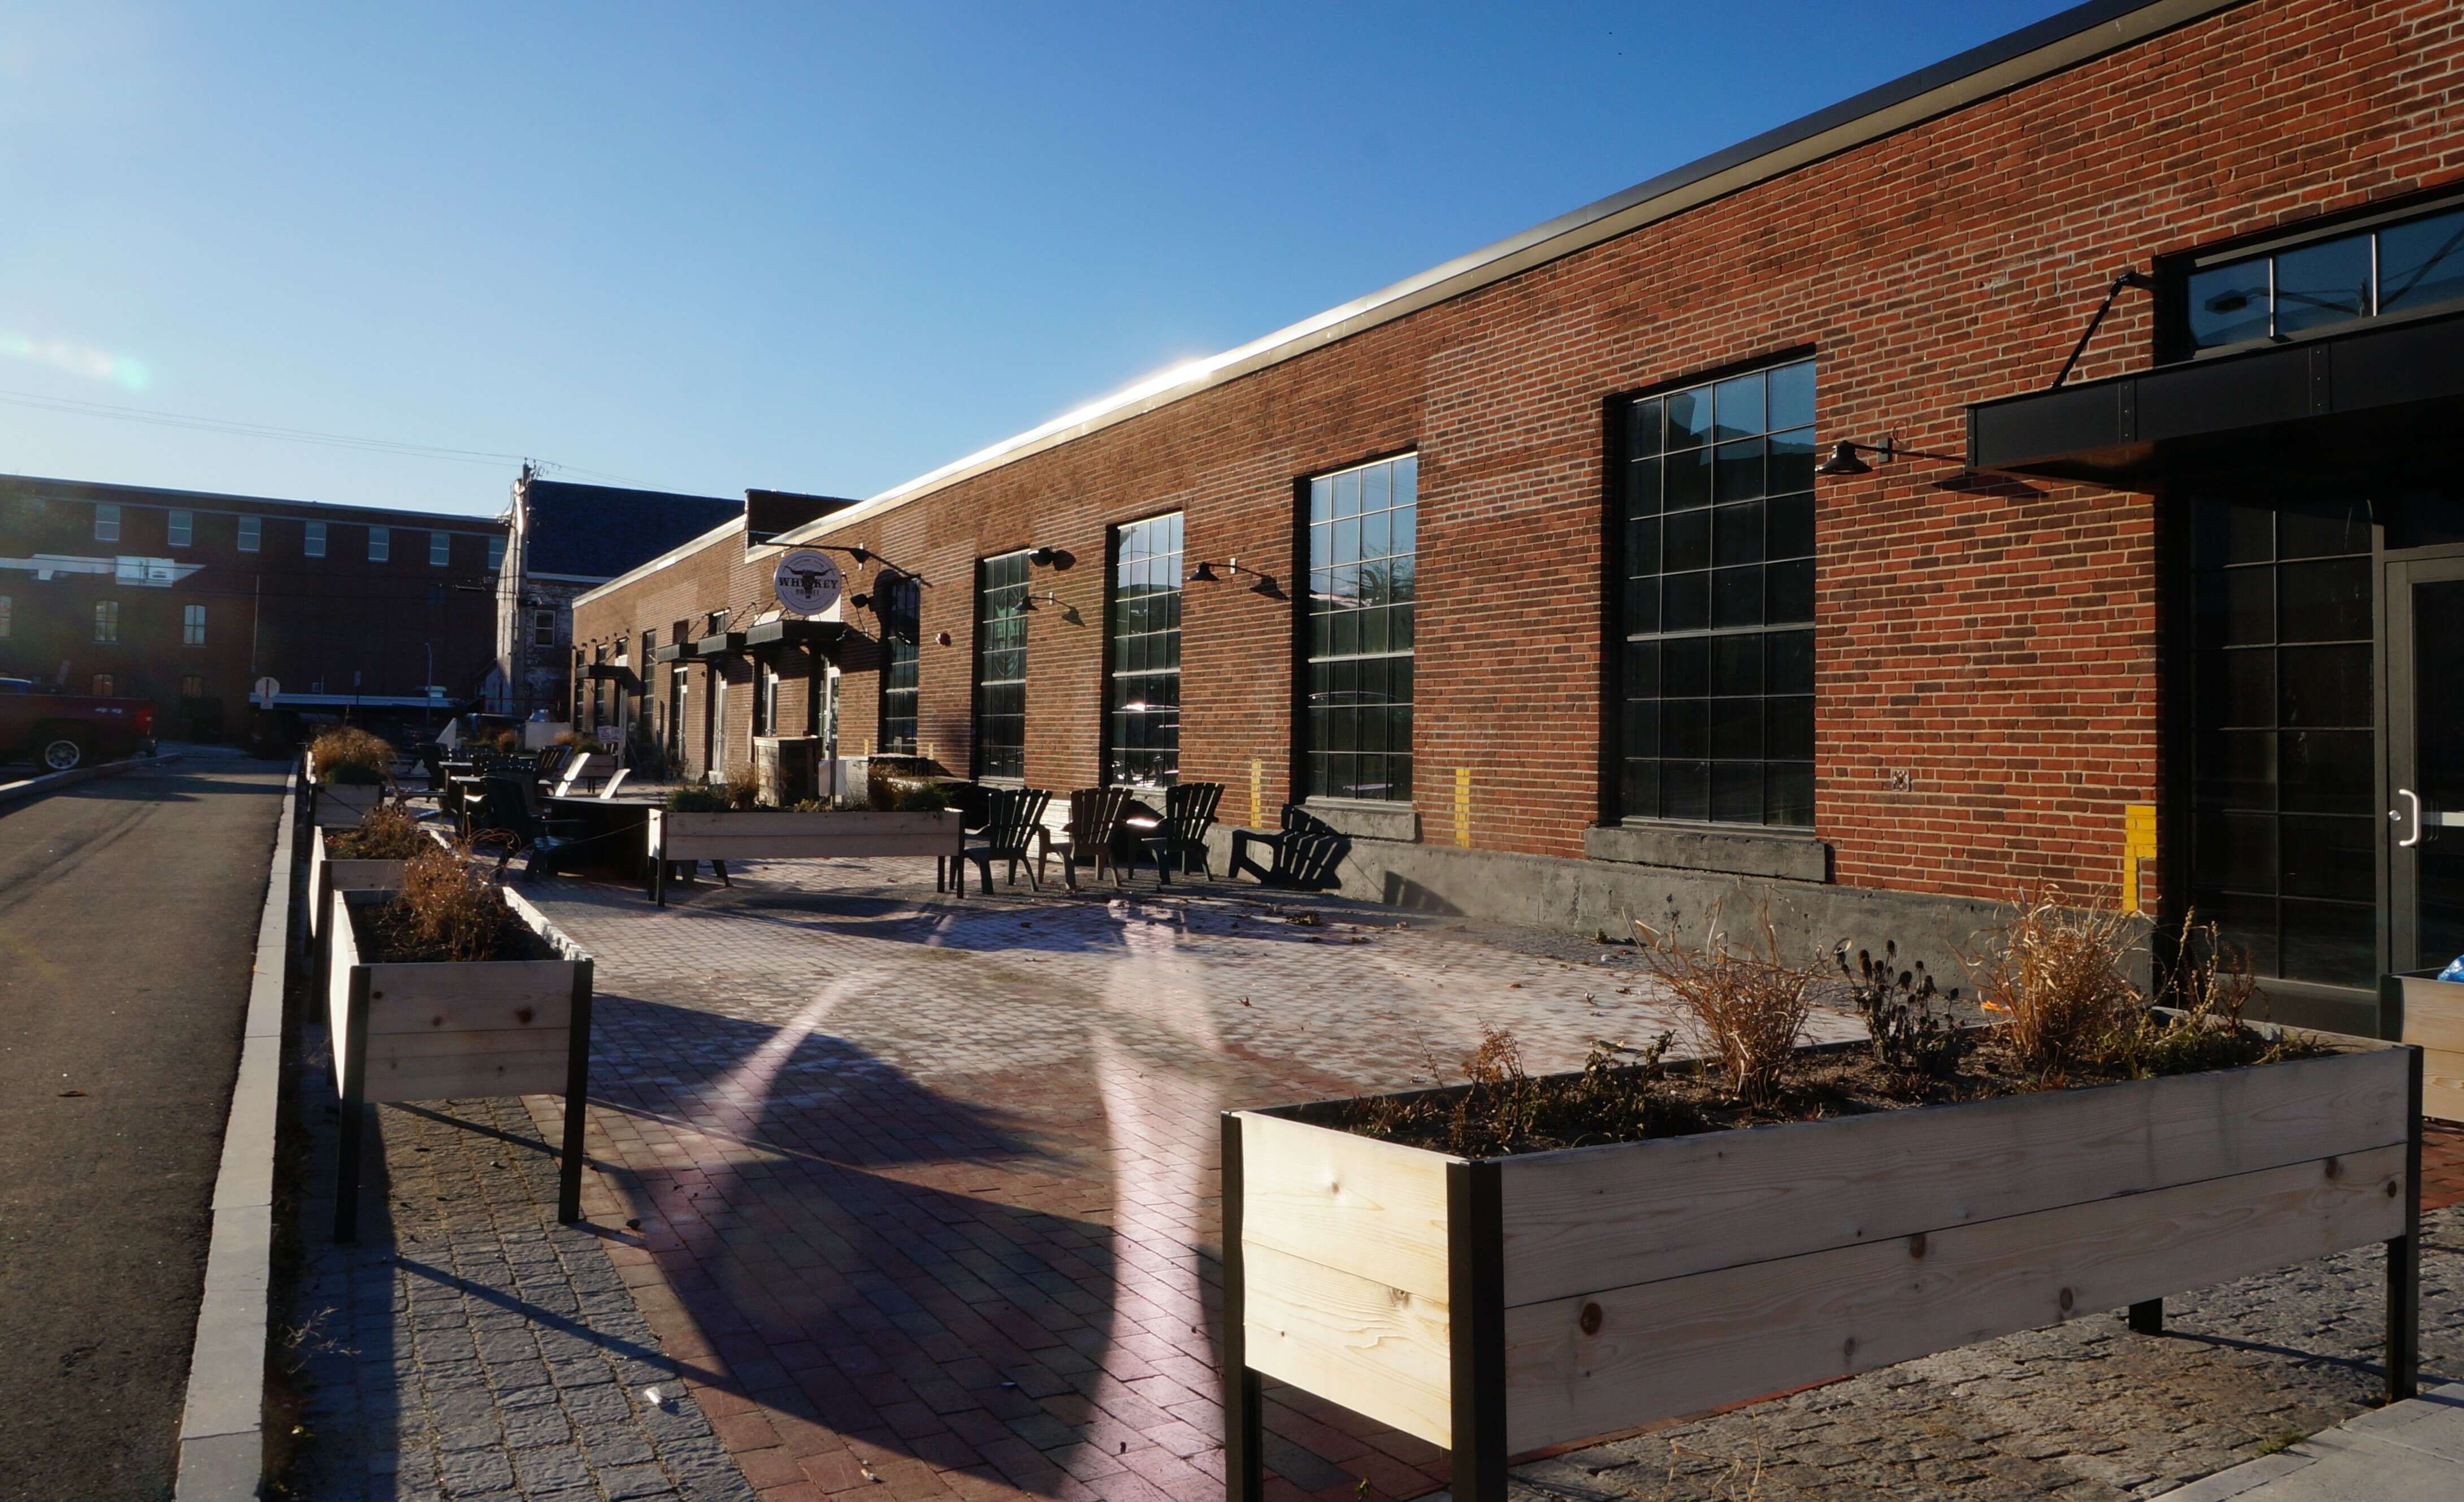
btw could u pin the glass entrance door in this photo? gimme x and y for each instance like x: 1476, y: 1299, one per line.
x: 2424, y: 599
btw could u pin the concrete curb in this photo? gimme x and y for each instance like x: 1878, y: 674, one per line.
x: 49, y: 782
x: 2409, y: 1451
x: 222, y: 1431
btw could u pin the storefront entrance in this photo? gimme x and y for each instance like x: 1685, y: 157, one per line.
x: 2425, y: 761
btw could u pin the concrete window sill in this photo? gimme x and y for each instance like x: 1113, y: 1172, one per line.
x: 1367, y: 819
x: 1693, y: 846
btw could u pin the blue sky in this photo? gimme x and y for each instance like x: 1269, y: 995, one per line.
x: 805, y: 247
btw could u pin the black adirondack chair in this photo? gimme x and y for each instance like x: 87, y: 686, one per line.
x: 508, y: 812
x: 1304, y: 851
x: 1188, y: 812
x: 1012, y: 824
x: 1095, y: 816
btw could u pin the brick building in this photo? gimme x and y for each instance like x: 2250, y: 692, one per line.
x: 1545, y: 575
x: 187, y: 598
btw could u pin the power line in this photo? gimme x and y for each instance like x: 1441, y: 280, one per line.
x: 396, y: 448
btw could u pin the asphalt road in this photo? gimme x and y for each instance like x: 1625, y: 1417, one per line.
x: 128, y: 914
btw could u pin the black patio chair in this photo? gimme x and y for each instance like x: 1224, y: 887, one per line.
x: 1305, y: 852
x: 508, y: 816
x: 1188, y: 812
x: 1095, y: 816
x: 1012, y: 824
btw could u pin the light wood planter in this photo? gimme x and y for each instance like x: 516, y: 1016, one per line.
x: 2420, y: 1008
x: 783, y: 835
x: 433, y: 1031
x: 1498, y: 1306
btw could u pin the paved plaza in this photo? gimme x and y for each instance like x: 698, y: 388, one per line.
x: 916, y: 1197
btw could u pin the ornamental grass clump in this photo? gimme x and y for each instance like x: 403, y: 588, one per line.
x: 446, y: 910
x: 1745, y: 1009
x: 743, y: 790
x: 349, y: 756
x: 386, y: 832
x: 2207, y: 983
x: 2056, y: 976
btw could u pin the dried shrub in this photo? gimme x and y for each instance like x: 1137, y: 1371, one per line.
x: 743, y: 790
x: 1502, y: 1110
x: 349, y: 756
x: 922, y: 798
x: 698, y: 800
x: 2208, y: 981
x: 1745, y: 1008
x: 2058, y: 977
x: 1910, y: 1033
x: 444, y: 911
x: 387, y: 832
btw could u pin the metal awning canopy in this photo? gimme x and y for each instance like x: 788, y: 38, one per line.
x: 723, y: 642
x: 2374, y: 395
x: 775, y: 636
x: 609, y: 672
x: 668, y: 654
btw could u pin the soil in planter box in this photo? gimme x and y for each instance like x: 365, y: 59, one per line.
x: 388, y: 832
x: 1502, y: 1110
x: 448, y: 912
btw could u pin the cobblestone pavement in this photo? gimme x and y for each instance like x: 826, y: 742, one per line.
x: 919, y: 1197
x: 468, y: 1346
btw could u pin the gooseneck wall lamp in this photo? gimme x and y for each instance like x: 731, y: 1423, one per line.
x: 1843, y: 458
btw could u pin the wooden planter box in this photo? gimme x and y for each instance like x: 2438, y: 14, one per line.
x: 433, y: 1031
x: 781, y: 836
x: 328, y: 874
x: 2421, y: 1008
x: 1498, y: 1306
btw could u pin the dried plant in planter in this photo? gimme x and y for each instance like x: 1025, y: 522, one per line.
x: 349, y: 754
x: 2058, y: 977
x: 698, y: 800
x: 1747, y: 1009
x: 1909, y: 1033
x: 2209, y: 983
x: 1502, y: 1109
x: 387, y: 832
x: 743, y: 790
x: 446, y: 910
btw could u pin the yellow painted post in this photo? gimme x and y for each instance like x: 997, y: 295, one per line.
x: 1257, y: 794
x: 1462, y: 807
x: 2137, y: 843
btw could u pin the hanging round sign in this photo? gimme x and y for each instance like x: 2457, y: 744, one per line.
x: 807, y: 582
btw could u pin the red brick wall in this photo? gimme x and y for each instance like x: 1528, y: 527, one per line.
x: 1994, y: 640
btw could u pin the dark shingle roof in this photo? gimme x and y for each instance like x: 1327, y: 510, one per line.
x: 600, y: 531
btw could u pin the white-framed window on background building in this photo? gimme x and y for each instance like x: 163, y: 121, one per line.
x: 440, y: 549
x: 192, y: 626
x: 1363, y: 547
x: 106, y: 621
x: 183, y: 529
x: 495, y: 554
x: 380, y: 544
x: 8, y: 616
x: 543, y: 628
x: 1716, y: 673
x: 251, y: 534
x: 1142, y: 654
x: 1000, y: 666
x: 107, y: 522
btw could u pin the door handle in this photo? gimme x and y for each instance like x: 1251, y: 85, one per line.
x: 2414, y: 799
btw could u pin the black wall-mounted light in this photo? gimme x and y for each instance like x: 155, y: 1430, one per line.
x: 1205, y: 572
x: 1843, y: 458
x: 1052, y: 558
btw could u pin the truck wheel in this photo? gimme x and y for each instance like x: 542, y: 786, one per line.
x: 62, y: 753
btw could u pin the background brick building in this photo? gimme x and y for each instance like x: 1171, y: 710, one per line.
x: 1629, y: 651
x: 187, y: 598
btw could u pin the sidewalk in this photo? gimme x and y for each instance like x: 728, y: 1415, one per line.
x: 2409, y: 1453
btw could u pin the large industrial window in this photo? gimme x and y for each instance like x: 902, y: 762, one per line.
x: 183, y: 528
x: 192, y: 626
x: 106, y: 620
x: 1717, y: 673
x: 2284, y: 780
x: 1363, y: 536
x: 1000, y: 666
x: 901, y: 602
x: 1142, y: 654
x: 107, y: 522
x: 2397, y: 267
x: 380, y: 544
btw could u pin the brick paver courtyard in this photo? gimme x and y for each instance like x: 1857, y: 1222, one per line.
x: 919, y: 1197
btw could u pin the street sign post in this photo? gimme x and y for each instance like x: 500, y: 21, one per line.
x: 267, y: 688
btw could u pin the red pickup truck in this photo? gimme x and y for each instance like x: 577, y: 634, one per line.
x: 61, y: 731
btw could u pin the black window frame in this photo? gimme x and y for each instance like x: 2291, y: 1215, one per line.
x: 899, y: 600
x: 1130, y: 654
x: 1001, y: 665
x: 2176, y: 340
x: 1652, y: 629
x: 1350, y: 693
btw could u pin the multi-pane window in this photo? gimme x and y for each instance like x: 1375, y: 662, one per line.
x: 1363, y: 531
x: 314, y: 544
x: 7, y: 612
x: 495, y: 553
x: 107, y: 522
x: 251, y: 534
x: 2283, y: 778
x: 543, y: 628
x: 900, y: 601
x: 380, y: 544
x: 2370, y: 273
x: 183, y: 528
x: 193, y: 685
x: 1717, y: 673
x: 106, y: 620
x: 440, y: 548
x: 1000, y: 666
x: 192, y: 626
x: 1142, y: 631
